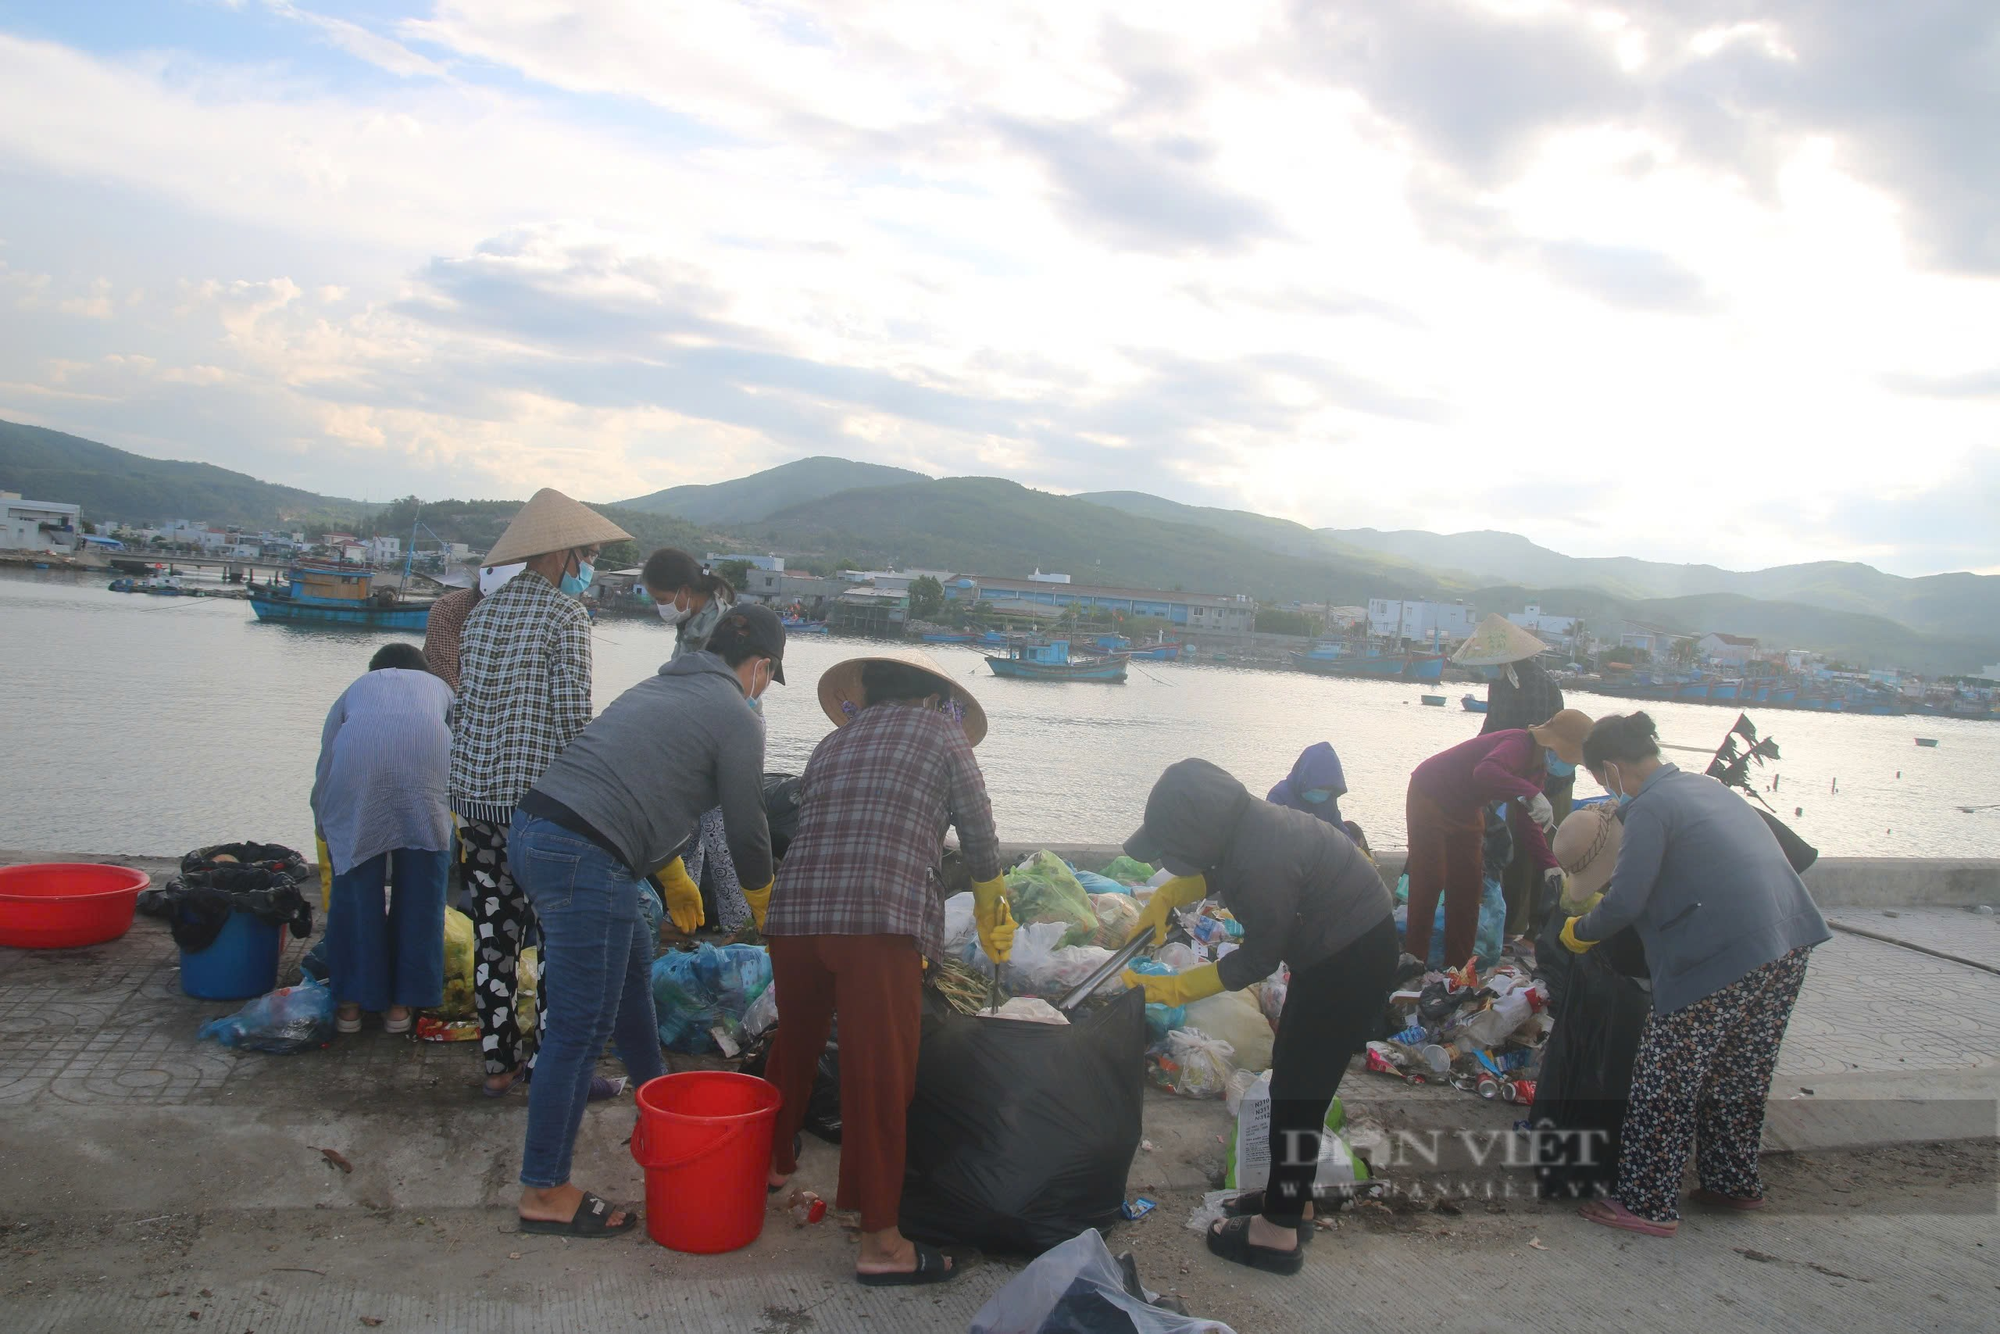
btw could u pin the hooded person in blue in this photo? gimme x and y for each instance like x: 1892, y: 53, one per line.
x: 1315, y: 784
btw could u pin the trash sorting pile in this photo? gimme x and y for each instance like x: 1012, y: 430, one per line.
x: 1486, y: 942
x: 703, y: 996
x: 1480, y: 1035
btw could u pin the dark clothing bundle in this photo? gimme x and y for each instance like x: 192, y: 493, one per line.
x: 198, y: 904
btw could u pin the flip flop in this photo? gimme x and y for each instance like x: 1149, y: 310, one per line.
x: 1716, y: 1199
x: 398, y: 1025
x: 345, y: 1023
x: 1610, y: 1213
x: 603, y: 1088
x: 587, y: 1223
x: 931, y: 1268
x: 1230, y: 1239
x: 489, y: 1091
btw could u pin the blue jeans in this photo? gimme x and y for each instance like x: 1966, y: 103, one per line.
x: 377, y: 959
x: 597, y: 972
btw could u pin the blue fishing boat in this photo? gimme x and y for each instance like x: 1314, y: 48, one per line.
x: 947, y: 639
x: 1434, y: 701
x: 796, y: 626
x: 1472, y: 703
x: 1051, y: 661
x: 336, y: 595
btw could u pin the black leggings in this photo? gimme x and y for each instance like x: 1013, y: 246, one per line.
x: 1331, y: 1011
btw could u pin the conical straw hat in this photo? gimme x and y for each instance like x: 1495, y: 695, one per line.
x: 551, y: 521
x: 1495, y: 641
x: 840, y: 689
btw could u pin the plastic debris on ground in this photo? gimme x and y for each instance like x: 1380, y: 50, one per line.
x: 1027, y: 1009
x: 1095, y: 884
x: 1482, y: 1036
x: 290, y: 1019
x: 1043, y: 889
x: 1078, y: 1288
x: 1249, y: 1157
x: 702, y: 995
x: 1193, y: 1064
x: 1117, y: 914
x: 1235, y: 1018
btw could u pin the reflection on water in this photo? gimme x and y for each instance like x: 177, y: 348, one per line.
x: 153, y: 725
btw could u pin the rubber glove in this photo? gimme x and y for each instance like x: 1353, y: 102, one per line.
x: 1159, y: 910
x: 1554, y: 884
x: 760, y: 903
x: 994, y: 919
x: 1542, y: 813
x: 1179, y: 989
x: 682, y: 895
x: 1569, y: 939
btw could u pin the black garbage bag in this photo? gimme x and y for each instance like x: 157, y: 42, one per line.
x: 1022, y: 1134
x: 274, y: 857
x: 197, y: 904
x: 1600, y: 1000
x: 783, y: 795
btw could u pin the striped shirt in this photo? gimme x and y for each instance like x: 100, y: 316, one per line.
x: 878, y: 795
x: 523, y: 694
x: 443, y: 629
x: 383, y: 757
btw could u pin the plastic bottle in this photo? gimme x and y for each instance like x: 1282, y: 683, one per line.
x: 1439, y: 1056
x: 1492, y: 1026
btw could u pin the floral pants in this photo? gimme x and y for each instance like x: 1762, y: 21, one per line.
x: 1701, y: 1079
x: 710, y: 848
x: 503, y: 924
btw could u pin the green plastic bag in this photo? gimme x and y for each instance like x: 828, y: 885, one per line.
x: 1128, y: 872
x: 1042, y: 889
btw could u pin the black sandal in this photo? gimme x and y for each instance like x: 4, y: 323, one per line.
x: 931, y: 1268
x: 1251, y: 1202
x: 589, y: 1222
x: 1230, y: 1239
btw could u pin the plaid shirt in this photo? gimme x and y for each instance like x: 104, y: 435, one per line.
x: 877, y: 796
x: 443, y: 629
x: 523, y: 694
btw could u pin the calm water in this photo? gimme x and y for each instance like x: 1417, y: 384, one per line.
x: 153, y: 725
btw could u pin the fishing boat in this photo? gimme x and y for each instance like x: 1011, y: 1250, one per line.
x: 947, y: 639
x: 336, y: 595
x: 1434, y: 701
x: 1051, y: 661
x: 1372, y: 663
x: 1929, y: 742
x: 1161, y: 652
x: 795, y: 626
x: 1472, y: 703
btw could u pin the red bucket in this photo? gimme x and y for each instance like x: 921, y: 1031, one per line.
x: 704, y: 1139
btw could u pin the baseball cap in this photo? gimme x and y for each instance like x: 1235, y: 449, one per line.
x: 757, y: 628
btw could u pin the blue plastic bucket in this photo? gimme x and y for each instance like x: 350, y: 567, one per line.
x: 240, y: 963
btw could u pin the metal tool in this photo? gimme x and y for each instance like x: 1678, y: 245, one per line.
x: 1116, y: 964
x: 993, y: 988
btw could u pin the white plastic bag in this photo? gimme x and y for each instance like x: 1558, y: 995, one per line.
x: 1233, y: 1017
x: 1027, y: 1009
x: 958, y: 924
x: 1249, y: 1156
x: 1040, y: 965
x: 1079, y: 1270
x: 1205, y: 1063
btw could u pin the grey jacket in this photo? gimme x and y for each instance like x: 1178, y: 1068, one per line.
x: 677, y: 744
x: 1703, y: 880
x: 1301, y: 888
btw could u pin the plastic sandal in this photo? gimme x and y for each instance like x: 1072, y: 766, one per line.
x: 588, y: 1223
x: 513, y: 1082
x: 604, y: 1088
x: 931, y: 1268
x: 347, y: 1023
x: 398, y: 1025
x: 1610, y: 1213
x: 1230, y: 1239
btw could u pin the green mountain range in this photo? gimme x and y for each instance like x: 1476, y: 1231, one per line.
x: 834, y: 513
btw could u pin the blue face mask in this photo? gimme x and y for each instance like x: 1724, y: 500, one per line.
x: 1556, y: 765
x: 574, y: 584
x: 1317, y: 795
x: 1619, y: 792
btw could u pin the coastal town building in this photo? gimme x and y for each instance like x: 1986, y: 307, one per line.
x: 1545, y: 627
x: 40, y: 525
x: 1398, y: 618
x: 1726, y: 650
x: 1197, y: 613
x: 1655, y: 640
x: 770, y: 564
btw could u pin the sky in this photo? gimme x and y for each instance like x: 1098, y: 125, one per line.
x: 1702, y: 280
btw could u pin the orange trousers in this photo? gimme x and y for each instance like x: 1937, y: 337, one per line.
x: 874, y: 984
x: 1446, y: 848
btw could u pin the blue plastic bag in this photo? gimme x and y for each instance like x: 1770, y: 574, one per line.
x: 697, y: 992
x: 1492, y: 927
x: 1160, y: 1019
x: 289, y: 1019
x: 1093, y: 883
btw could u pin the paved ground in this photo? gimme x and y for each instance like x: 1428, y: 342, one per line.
x: 151, y: 1177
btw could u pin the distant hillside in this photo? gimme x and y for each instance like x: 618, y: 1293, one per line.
x: 986, y: 525
x: 115, y: 484
x: 1279, y: 535
x: 760, y: 495
x: 479, y: 523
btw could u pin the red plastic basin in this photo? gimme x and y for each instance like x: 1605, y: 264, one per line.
x: 62, y: 905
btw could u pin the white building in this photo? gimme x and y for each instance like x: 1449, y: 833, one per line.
x: 1539, y: 623
x: 39, y: 525
x: 1726, y: 650
x: 385, y: 550
x: 1393, y: 618
x: 1050, y: 578
x: 1989, y: 673
x: 775, y: 564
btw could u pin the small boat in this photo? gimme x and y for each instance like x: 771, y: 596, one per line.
x: 1338, y: 660
x: 1472, y: 703
x: 1157, y: 652
x: 1435, y: 701
x: 336, y: 595
x: 1930, y: 742
x: 808, y: 628
x: 947, y: 639
x: 1050, y: 661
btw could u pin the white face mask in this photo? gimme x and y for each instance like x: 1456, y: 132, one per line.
x: 754, y: 696
x: 672, y: 612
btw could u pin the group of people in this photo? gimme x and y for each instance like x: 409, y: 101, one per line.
x: 569, y: 825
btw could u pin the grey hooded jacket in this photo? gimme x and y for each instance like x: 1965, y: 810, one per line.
x: 1301, y: 888
x: 1704, y: 881
x: 677, y: 744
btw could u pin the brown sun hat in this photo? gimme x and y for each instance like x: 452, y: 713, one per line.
x: 1495, y: 642
x: 841, y: 695
x: 1564, y: 734
x: 1587, y: 847
x: 551, y: 521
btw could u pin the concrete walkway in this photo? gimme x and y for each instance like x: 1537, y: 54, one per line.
x: 151, y: 1177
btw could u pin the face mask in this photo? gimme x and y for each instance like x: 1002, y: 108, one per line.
x: 1316, y: 795
x: 754, y: 696
x: 574, y: 584
x: 672, y: 612
x: 1619, y: 791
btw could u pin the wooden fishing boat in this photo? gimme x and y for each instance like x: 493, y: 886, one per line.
x: 1051, y: 661
x: 337, y: 595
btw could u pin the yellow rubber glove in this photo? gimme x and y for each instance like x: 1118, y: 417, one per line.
x: 760, y: 903
x: 1569, y: 939
x: 994, y: 918
x: 1193, y: 985
x: 683, y: 897
x: 1159, y: 910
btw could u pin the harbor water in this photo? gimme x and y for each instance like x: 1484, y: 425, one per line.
x: 151, y: 725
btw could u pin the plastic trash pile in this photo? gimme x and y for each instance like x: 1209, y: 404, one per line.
x: 1480, y: 1035
x: 703, y: 996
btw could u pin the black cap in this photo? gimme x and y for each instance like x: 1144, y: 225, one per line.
x: 756, y: 628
